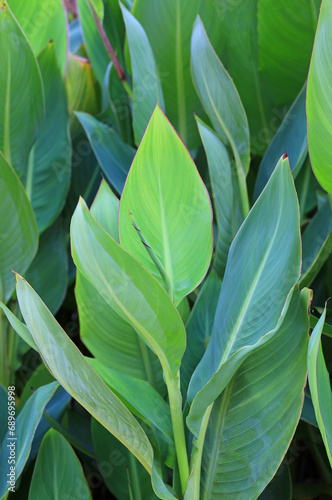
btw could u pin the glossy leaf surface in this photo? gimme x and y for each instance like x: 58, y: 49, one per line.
x: 320, y: 387
x: 18, y: 229
x: 319, y: 104
x: 56, y: 459
x: 21, y: 98
x: 75, y: 374
x: 245, y: 310
x: 170, y: 206
x: 147, y: 91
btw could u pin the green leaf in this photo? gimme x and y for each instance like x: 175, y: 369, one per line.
x: 219, y: 97
x: 291, y: 137
x: 316, y: 244
x: 139, y: 394
x: 21, y: 98
x: 105, y: 209
x: 254, y: 289
x: 168, y: 25
x: 50, y: 266
x: 42, y: 23
x: 81, y: 91
x: 221, y: 182
x: 128, y: 288
x: 95, y: 48
x: 320, y: 388
x: 171, y: 208
x: 18, y: 229
x: 97, y: 6
x: 25, y: 428
x: 56, y: 459
x: 76, y: 375
x: 3, y: 412
x: 147, y: 91
x: 47, y: 177
x: 286, y: 33
x: 19, y: 327
x: 319, y: 104
x: 326, y: 329
x: 119, y: 467
x: 113, y: 155
x: 199, y: 327
x: 249, y: 430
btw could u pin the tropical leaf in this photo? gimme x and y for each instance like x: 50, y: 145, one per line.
x: 249, y: 431
x: 220, y: 170
x: 291, y: 137
x: 168, y: 26
x: 56, y: 459
x: 19, y: 327
x: 42, y: 23
x: 316, y: 244
x: 25, y: 427
x: 114, y: 156
x: 47, y: 177
x: 76, y: 375
x: 319, y: 104
x: 50, y: 266
x: 252, y: 294
x: 320, y: 387
x: 147, y: 91
x: 21, y: 98
x: 170, y: 208
x: 18, y: 229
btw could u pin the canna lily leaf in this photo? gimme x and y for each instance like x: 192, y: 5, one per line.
x: 18, y: 229
x: 170, y: 207
x: 319, y: 104
x: 21, y: 98
x: 320, y: 388
x: 75, y: 374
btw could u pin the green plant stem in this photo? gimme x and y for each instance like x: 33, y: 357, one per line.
x: 175, y: 402
x: 58, y: 427
x: 12, y: 354
x: 110, y: 51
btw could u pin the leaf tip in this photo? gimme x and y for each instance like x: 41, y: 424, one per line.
x: 285, y: 155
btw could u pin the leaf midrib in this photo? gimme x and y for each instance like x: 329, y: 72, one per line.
x: 179, y: 75
x: 7, y: 113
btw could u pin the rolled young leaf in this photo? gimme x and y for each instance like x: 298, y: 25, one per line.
x: 171, y: 209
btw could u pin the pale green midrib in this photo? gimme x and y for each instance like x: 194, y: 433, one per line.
x: 7, y: 114
x: 246, y: 303
x: 146, y: 361
x: 213, y: 456
x: 29, y: 174
x: 179, y: 76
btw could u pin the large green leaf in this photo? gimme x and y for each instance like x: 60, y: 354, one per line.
x: 261, y: 268
x: 21, y: 98
x: 76, y: 375
x: 199, y: 327
x: 291, y: 137
x: 121, y: 471
x: 171, y: 209
x: 128, y: 288
x: 18, y: 229
x: 25, y: 427
x: 58, y: 472
x: 168, y: 25
x: 19, y: 327
x: 140, y: 395
x: 316, y: 244
x: 110, y: 338
x: 147, y: 92
x: 319, y: 103
x: 286, y: 33
x: 48, y: 174
x: 50, y: 266
x: 253, y: 421
x: 220, y: 169
x: 42, y: 22
x: 114, y: 156
x: 219, y: 96
x: 320, y: 387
